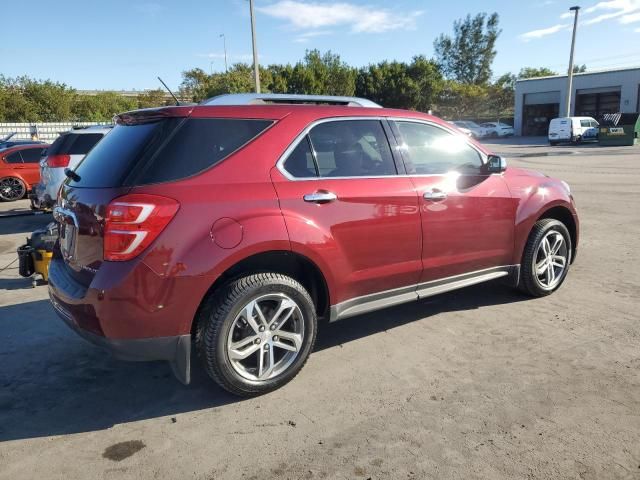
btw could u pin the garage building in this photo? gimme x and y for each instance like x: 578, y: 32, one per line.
x: 538, y: 100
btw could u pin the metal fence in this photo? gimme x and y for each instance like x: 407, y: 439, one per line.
x: 41, y: 131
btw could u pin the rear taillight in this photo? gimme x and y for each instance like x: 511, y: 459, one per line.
x: 58, y: 160
x: 133, y: 222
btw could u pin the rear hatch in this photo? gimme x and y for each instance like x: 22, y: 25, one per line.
x: 560, y: 129
x: 145, y: 147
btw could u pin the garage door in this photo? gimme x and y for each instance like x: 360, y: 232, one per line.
x: 596, y: 102
x: 539, y: 109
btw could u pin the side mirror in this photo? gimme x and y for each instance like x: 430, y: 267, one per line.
x: 495, y: 164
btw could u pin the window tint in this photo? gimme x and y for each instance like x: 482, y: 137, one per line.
x: 13, y: 158
x: 300, y: 162
x: 163, y: 150
x: 199, y: 144
x: 31, y: 155
x: 433, y: 150
x: 83, y: 143
x: 352, y: 148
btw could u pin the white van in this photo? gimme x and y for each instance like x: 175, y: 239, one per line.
x: 572, y: 129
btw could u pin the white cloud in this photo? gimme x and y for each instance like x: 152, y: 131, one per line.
x: 632, y: 18
x: 543, y: 32
x: 306, y: 36
x: 619, y: 9
x: 302, y: 15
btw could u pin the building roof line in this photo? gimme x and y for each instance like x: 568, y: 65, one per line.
x: 591, y: 72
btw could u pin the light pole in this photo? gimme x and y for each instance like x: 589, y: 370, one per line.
x: 256, y: 70
x: 224, y: 40
x: 575, y: 9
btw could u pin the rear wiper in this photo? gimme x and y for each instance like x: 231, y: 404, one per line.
x: 71, y: 174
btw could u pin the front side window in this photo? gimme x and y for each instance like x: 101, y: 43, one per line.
x: 352, y: 148
x: 585, y: 123
x: 432, y: 150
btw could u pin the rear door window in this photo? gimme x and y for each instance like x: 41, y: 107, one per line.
x: 352, y: 148
x: 31, y: 155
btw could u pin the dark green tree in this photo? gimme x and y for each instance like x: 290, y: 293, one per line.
x: 468, y: 55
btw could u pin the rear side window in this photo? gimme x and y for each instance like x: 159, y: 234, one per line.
x: 300, y: 162
x: 83, y: 143
x: 169, y: 149
x: 13, y: 158
x: 199, y: 144
x: 74, y: 143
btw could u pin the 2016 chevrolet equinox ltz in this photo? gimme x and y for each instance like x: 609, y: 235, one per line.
x: 239, y: 222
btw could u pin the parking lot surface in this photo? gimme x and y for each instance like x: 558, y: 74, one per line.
x: 478, y: 383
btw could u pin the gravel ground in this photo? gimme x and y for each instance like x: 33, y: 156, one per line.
x: 479, y: 383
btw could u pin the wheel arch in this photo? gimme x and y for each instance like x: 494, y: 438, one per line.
x: 285, y: 262
x: 564, y: 215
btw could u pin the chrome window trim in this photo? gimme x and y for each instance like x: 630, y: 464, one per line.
x: 292, y: 146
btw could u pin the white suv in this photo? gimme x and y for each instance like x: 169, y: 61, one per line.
x: 66, y: 152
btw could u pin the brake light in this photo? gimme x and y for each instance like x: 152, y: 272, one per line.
x: 58, y: 160
x: 133, y: 222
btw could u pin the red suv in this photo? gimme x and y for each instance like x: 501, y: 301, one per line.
x: 240, y: 222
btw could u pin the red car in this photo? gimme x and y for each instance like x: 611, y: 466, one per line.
x: 19, y: 170
x: 238, y: 223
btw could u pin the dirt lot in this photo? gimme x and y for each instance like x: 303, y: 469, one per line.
x: 480, y: 383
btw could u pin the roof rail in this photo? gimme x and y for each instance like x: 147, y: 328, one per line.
x: 279, y: 98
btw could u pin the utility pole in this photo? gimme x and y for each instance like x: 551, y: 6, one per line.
x: 224, y: 40
x: 256, y: 70
x: 575, y: 9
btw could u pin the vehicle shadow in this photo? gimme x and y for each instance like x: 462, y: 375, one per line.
x: 24, y: 224
x: 54, y: 383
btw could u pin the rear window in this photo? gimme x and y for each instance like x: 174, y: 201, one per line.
x: 74, y: 143
x: 165, y: 150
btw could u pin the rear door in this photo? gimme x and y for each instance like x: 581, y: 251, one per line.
x: 467, y: 215
x: 31, y: 164
x: 347, y: 209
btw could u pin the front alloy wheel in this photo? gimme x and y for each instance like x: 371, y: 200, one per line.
x: 546, y: 258
x: 256, y: 333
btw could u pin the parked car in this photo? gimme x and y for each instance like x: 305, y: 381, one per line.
x: 7, y: 142
x: 498, y: 129
x: 572, y: 129
x: 19, y: 170
x: 238, y: 223
x: 464, y: 130
x: 67, y: 151
x: 476, y: 130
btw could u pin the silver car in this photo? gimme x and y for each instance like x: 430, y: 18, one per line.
x: 66, y: 152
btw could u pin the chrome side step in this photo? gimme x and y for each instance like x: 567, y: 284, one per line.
x: 389, y: 298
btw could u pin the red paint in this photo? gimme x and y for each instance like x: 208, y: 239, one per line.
x: 28, y: 173
x: 380, y: 234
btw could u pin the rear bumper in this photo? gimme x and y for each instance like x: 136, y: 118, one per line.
x: 75, y: 306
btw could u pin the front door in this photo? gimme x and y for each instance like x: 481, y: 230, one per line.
x: 467, y: 215
x: 31, y: 164
x: 347, y: 209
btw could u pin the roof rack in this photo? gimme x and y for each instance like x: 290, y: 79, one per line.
x: 279, y: 98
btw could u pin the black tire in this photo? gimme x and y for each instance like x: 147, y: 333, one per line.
x: 553, y: 143
x: 12, y: 189
x: 216, y: 319
x: 529, y: 282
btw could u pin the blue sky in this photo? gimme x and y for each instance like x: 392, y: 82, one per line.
x: 124, y: 44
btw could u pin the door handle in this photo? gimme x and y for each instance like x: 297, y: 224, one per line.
x: 435, y: 194
x: 320, y: 197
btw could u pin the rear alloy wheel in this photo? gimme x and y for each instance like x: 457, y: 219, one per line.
x: 546, y: 258
x: 12, y: 188
x: 256, y: 334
